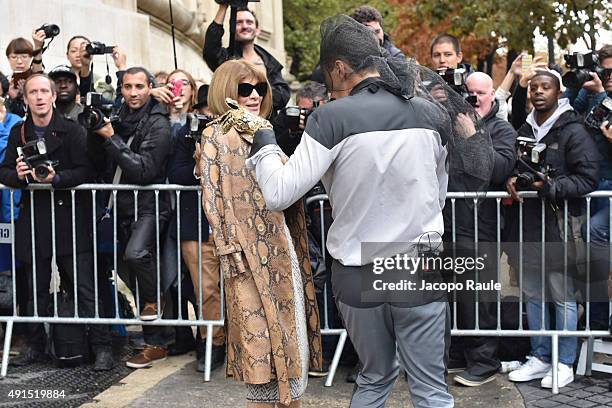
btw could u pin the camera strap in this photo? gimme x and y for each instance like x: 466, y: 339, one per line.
x: 116, y: 178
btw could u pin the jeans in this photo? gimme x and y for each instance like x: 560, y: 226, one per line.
x: 600, y: 215
x: 600, y: 254
x: 564, y: 305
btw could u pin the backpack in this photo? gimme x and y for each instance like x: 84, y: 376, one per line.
x: 68, y: 343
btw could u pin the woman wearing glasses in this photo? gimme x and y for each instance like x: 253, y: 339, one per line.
x: 23, y: 60
x: 272, y: 322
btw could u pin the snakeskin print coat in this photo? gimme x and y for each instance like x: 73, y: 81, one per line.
x: 255, y: 262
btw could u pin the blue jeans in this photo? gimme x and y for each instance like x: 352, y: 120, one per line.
x: 600, y: 234
x: 563, y: 302
x: 600, y: 215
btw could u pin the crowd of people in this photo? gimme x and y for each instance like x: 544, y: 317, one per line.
x: 385, y: 137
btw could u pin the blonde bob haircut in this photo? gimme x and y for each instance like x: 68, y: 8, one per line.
x: 224, y: 84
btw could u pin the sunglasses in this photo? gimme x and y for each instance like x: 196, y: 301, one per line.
x: 245, y: 89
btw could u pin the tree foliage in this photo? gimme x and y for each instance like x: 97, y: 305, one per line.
x: 302, y: 19
x: 489, y: 24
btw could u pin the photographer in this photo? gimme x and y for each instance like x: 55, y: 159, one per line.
x: 82, y: 63
x: 20, y: 54
x: 568, y: 170
x: 67, y: 90
x: 587, y: 100
x: 247, y: 30
x: 478, y: 355
x: 289, y: 130
x: 135, y: 149
x: 63, y: 166
x: 370, y: 17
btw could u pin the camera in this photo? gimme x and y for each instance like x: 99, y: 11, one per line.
x: 600, y: 114
x: 98, y: 48
x: 531, y: 155
x: 34, y: 154
x: 51, y: 30
x: 197, y: 123
x: 236, y: 3
x: 455, y: 78
x: 293, y: 117
x: 581, y: 66
x: 94, y: 112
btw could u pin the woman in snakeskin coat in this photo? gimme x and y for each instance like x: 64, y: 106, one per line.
x: 272, y: 321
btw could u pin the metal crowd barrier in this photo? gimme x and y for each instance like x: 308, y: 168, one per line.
x: 7, y: 236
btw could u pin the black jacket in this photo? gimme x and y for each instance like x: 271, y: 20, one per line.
x: 503, y: 137
x: 180, y: 171
x: 142, y: 163
x: 215, y: 55
x: 572, y: 153
x: 66, y: 142
x: 393, y: 51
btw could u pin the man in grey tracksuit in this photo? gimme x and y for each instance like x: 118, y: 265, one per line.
x: 381, y: 156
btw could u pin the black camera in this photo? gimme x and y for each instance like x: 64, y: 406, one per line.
x: 600, y: 114
x: 531, y: 155
x: 95, y: 111
x: 581, y: 66
x: 197, y: 123
x: 51, y: 30
x: 236, y: 3
x: 98, y: 48
x: 293, y: 117
x: 34, y: 154
x: 455, y: 78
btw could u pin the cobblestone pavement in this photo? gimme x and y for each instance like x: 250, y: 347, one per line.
x: 585, y: 392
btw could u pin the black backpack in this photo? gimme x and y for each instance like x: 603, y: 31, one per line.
x: 68, y: 343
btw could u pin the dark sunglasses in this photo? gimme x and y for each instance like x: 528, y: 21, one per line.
x: 245, y: 89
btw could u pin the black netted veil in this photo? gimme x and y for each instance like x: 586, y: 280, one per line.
x: 470, y: 158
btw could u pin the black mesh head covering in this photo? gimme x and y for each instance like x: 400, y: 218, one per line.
x: 471, y: 156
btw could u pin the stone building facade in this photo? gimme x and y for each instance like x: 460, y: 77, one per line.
x: 141, y: 27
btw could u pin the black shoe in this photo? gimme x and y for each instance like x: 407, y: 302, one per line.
x: 104, y: 361
x: 27, y: 357
x: 352, y: 376
x: 456, y: 365
x: 472, y: 380
x: 216, y: 361
x: 321, y: 372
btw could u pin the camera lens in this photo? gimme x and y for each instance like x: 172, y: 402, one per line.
x: 41, y: 171
x: 575, y: 79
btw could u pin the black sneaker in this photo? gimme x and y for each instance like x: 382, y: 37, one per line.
x: 216, y: 361
x: 472, y: 380
x: 321, y: 372
x: 456, y: 365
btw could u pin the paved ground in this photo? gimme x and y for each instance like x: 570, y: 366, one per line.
x: 174, y: 383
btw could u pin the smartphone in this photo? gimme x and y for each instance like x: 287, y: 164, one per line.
x: 526, y: 63
x: 19, y: 75
x: 177, y: 88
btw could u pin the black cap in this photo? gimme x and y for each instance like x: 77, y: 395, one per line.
x: 202, y: 97
x: 62, y: 71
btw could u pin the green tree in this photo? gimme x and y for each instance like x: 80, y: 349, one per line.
x: 512, y: 23
x: 302, y: 19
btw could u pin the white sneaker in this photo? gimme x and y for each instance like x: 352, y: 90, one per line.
x: 565, y: 375
x: 532, y: 369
